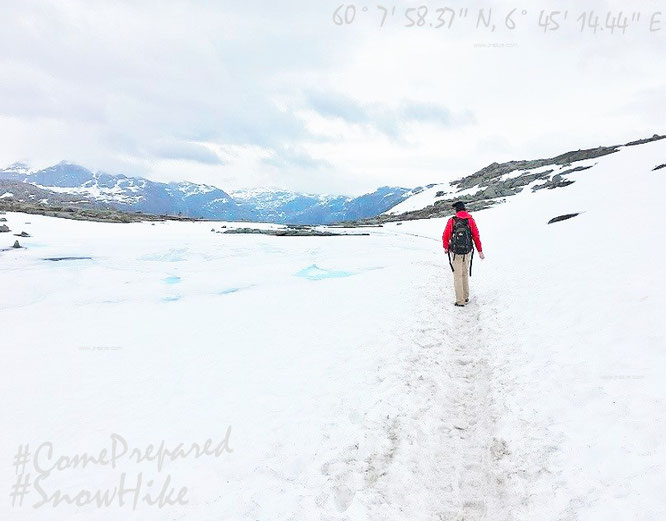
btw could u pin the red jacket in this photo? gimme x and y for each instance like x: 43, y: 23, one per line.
x: 472, y: 226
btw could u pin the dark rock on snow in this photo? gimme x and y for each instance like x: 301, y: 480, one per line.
x: 555, y: 182
x: 563, y: 217
x: 577, y: 169
x: 291, y: 231
x: 655, y: 137
x: 58, y: 259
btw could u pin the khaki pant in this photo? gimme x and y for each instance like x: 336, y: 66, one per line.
x: 461, y: 276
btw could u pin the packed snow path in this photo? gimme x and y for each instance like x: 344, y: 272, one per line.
x: 436, y: 456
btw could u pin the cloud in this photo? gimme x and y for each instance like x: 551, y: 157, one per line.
x: 424, y: 112
x: 162, y: 88
x: 384, y: 118
x: 187, y: 151
x: 289, y: 157
x: 336, y: 105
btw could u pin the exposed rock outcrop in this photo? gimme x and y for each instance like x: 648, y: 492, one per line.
x: 655, y: 137
x: 498, y: 181
x: 563, y: 217
x: 290, y: 232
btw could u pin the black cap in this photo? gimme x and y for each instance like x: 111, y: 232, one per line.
x: 459, y: 206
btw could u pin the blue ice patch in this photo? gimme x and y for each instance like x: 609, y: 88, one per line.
x: 173, y: 279
x: 173, y: 298
x: 314, y: 272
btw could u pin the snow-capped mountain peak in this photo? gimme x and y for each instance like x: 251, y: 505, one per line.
x: 197, y: 200
x: 18, y: 167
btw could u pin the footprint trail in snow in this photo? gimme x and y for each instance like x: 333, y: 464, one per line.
x: 428, y: 449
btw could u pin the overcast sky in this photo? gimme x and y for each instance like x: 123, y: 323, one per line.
x: 247, y: 93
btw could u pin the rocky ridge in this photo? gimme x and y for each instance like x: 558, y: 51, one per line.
x: 494, y: 183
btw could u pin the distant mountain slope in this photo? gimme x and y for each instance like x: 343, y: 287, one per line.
x: 283, y: 206
x: 494, y: 183
x: 133, y: 194
x: 74, y: 184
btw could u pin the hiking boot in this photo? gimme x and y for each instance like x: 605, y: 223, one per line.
x: 459, y: 305
x: 466, y: 300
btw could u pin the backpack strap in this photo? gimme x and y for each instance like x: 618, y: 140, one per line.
x: 450, y: 263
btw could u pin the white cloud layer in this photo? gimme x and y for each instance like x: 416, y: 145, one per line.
x: 242, y: 94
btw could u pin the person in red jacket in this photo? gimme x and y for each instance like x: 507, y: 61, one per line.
x: 460, y: 263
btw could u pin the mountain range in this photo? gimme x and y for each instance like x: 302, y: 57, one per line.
x: 68, y: 186
x: 71, y: 184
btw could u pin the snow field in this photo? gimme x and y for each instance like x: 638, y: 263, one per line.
x: 354, y: 389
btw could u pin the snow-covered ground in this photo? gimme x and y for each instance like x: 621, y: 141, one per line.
x: 353, y: 388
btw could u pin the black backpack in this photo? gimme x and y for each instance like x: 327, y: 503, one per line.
x: 461, y: 238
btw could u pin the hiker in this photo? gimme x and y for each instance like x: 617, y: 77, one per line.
x: 460, y: 237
